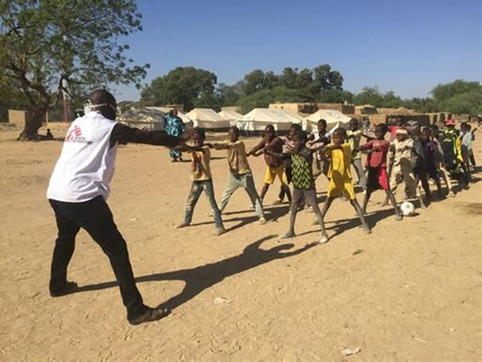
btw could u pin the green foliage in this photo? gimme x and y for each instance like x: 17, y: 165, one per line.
x: 443, y: 92
x: 459, y: 97
x: 335, y: 96
x: 464, y: 103
x: 369, y: 95
x: 372, y: 96
x: 423, y: 105
x: 189, y: 86
x: 229, y: 94
x: 44, y: 43
x: 258, y: 99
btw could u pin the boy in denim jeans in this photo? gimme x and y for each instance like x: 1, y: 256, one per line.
x: 240, y: 172
x: 201, y: 181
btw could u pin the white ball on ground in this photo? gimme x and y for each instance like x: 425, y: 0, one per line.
x: 407, y: 208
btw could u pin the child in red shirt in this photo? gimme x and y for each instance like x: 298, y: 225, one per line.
x: 376, y: 164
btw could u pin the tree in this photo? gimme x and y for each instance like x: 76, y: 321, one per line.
x: 423, y: 105
x: 459, y: 97
x: 335, y: 96
x: 262, y: 98
x: 184, y: 85
x: 288, y: 77
x: 253, y: 82
x: 325, y: 78
x: 369, y: 95
x: 464, y: 103
x: 304, y: 78
x: 44, y: 44
x: 390, y: 100
x: 229, y: 94
x: 444, y: 92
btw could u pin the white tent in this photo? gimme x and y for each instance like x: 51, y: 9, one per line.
x: 332, y: 117
x: 259, y: 118
x: 208, y: 118
x: 165, y: 110
x: 143, y: 118
x: 230, y: 115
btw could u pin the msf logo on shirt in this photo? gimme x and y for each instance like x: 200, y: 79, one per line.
x: 75, y: 135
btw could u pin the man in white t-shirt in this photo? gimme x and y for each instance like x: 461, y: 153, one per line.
x: 79, y: 188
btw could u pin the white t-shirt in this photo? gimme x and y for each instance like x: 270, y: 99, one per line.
x: 86, y: 164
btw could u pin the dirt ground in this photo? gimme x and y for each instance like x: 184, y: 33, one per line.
x: 410, y: 291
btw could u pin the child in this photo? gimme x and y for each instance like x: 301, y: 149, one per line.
x: 340, y: 176
x: 275, y: 167
x: 240, y: 172
x: 401, y: 161
x: 451, y: 146
x: 471, y: 151
x: 419, y: 166
x: 201, y: 181
x: 288, y: 144
x: 303, y: 182
x: 435, y: 137
x: 354, y: 135
x: 317, y: 141
x: 466, y: 144
x: 430, y: 157
x: 376, y: 164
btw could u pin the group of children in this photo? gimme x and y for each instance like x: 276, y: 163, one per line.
x: 412, y: 156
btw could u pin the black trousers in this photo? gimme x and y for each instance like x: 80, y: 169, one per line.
x: 96, y: 218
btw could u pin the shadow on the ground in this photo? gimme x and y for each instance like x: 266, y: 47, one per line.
x: 204, y: 277
x: 340, y: 226
x: 272, y: 214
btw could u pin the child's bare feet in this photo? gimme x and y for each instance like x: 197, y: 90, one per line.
x: 183, y: 225
x: 324, y: 238
x: 288, y: 235
x: 367, y: 229
x: 220, y: 231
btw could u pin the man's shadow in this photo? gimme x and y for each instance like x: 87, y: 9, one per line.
x: 203, y: 277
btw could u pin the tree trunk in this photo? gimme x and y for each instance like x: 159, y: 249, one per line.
x: 33, y: 121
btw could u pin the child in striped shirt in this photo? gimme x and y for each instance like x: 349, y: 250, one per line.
x: 303, y: 182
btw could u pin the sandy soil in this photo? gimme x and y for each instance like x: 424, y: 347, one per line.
x: 409, y: 291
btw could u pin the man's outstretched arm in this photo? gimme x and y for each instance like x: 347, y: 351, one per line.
x: 124, y: 134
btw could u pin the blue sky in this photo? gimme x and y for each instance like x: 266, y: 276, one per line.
x: 406, y: 46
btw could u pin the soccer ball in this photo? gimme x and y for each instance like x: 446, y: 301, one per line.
x: 407, y: 208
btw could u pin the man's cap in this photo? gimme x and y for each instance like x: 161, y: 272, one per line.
x: 450, y: 122
x: 402, y: 131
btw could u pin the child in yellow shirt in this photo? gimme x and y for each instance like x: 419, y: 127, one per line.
x: 339, y: 174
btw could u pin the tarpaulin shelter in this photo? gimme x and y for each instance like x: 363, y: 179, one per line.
x: 143, y: 118
x: 259, y: 118
x: 208, y: 119
x: 231, y: 115
x: 332, y: 117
